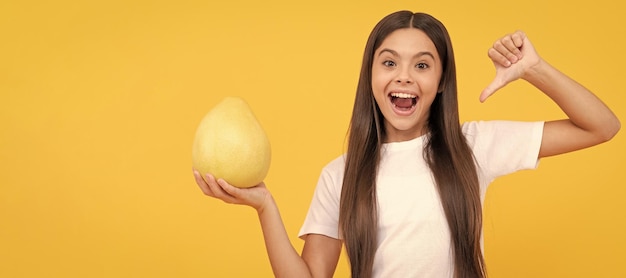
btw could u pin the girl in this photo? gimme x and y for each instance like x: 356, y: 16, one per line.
x: 406, y: 198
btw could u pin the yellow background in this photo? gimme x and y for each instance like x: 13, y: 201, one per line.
x: 99, y: 101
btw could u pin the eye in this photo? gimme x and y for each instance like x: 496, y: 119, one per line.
x: 422, y: 66
x: 389, y: 63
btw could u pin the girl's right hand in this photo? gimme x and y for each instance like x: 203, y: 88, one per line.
x: 257, y: 196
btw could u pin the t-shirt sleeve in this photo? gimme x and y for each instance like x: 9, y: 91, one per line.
x: 323, y: 215
x: 504, y: 147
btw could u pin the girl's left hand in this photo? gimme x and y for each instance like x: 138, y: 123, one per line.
x: 513, y: 56
x: 257, y: 196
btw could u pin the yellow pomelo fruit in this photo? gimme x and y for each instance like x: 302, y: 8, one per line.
x: 231, y: 144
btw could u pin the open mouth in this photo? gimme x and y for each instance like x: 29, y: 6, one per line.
x: 403, y: 101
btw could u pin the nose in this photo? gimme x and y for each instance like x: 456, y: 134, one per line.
x: 404, y: 81
x: 404, y: 77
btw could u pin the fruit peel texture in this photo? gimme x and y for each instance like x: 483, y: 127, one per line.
x: 231, y: 144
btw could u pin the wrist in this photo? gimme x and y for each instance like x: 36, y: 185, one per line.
x: 535, y: 73
x: 268, y: 201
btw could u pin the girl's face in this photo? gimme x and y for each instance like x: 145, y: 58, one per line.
x: 406, y: 71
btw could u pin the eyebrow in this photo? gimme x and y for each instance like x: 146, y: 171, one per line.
x: 395, y: 53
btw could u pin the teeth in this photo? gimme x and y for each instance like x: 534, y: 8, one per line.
x: 402, y: 95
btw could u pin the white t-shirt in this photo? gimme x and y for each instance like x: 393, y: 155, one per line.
x: 413, y: 234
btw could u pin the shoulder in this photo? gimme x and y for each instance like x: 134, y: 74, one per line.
x: 335, y: 166
x: 503, y: 147
x: 477, y: 127
x: 497, y: 130
x: 331, y: 176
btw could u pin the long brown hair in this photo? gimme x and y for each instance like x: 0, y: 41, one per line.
x: 446, y: 152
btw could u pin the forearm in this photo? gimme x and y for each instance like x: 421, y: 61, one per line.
x: 285, y: 260
x: 583, y: 108
x: 590, y: 121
